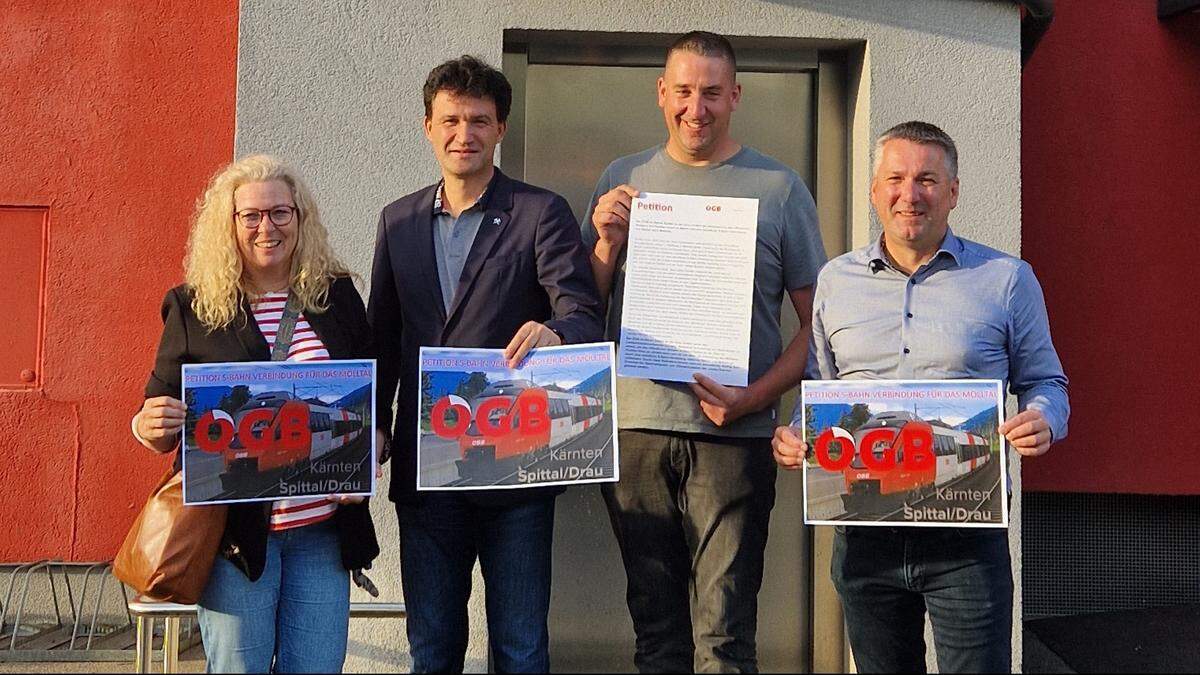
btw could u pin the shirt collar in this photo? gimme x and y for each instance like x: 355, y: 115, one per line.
x: 481, y: 202
x: 875, y: 256
x: 951, y: 247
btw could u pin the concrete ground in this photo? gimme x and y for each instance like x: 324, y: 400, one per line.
x: 190, y: 661
x: 1155, y: 640
x: 1038, y: 659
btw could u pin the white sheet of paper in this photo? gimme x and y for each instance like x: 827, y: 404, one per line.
x: 689, y: 281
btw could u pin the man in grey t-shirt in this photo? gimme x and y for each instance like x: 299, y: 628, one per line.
x: 692, y: 509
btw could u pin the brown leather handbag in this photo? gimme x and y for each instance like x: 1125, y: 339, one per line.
x: 169, y: 552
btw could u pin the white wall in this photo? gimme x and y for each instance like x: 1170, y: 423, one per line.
x: 334, y: 86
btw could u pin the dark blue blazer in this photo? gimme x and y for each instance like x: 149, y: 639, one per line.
x: 527, y: 263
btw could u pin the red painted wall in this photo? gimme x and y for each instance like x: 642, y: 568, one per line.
x: 112, y: 114
x: 1111, y: 218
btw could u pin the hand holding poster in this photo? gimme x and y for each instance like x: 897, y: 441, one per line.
x: 904, y: 452
x: 269, y: 430
x: 548, y: 422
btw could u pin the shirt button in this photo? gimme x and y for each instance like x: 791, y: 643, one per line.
x: 912, y: 281
x: 906, y: 350
x: 909, y: 315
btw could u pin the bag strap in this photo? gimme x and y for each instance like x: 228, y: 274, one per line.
x: 287, y: 325
x: 279, y: 352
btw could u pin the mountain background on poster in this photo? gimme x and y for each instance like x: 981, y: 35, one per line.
x: 598, y: 385
x: 982, y: 424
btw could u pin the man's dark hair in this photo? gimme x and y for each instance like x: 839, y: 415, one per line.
x: 704, y: 43
x: 469, y: 76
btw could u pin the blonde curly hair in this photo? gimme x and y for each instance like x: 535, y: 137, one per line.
x: 213, y: 266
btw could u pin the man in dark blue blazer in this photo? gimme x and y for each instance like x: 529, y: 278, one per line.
x: 477, y: 260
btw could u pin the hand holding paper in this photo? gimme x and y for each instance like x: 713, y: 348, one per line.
x: 789, y: 450
x: 1028, y: 432
x: 611, y: 216
x: 159, y: 420
x: 529, y: 336
x: 720, y: 403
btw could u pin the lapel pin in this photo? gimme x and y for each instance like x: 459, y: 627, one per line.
x: 495, y: 221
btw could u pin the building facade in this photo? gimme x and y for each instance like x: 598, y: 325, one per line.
x: 116, y: 113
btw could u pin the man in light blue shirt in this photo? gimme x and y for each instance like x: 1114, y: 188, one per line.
x: 921, y: 303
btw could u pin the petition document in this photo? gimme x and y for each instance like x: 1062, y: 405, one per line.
x: 689, y: 280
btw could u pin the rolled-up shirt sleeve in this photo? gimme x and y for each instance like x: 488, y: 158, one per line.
x: 1036, y: 374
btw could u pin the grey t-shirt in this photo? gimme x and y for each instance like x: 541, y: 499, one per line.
x: 788, y: 255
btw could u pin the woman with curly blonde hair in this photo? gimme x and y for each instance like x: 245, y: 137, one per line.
x: 220, y: 277
x: 278, y: 598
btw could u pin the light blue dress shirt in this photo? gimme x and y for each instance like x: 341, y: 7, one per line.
x: 970, y: 312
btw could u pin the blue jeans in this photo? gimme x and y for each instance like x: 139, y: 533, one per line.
x: 294, y: 619
x: 888, y: 577
x: 439, y: 540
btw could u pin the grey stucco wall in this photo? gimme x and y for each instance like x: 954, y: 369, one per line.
x: 334, y: 87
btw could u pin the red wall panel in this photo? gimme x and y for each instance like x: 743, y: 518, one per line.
x: 23, y: 258
x: 113, y: 115
x: 1111, y: 169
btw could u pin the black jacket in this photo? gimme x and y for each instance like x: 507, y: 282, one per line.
x: 527, y: 263
x: 343, y: 328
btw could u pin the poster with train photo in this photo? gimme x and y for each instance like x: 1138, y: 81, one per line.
x: 548, y: 422
x: 904, y: 452
x: 277, y: 430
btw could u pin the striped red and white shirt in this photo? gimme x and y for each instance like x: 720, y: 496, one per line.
x: 306, y: 346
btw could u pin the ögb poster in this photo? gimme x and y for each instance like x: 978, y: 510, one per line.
x: 276, y: 429
x: 548, y: 422
x: 904, y: 452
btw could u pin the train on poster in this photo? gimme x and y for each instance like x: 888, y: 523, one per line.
x: 273, y: 432
x: 896, y: 456
x: 512, y: 424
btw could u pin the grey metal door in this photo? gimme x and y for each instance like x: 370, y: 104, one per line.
x: 576, y: 109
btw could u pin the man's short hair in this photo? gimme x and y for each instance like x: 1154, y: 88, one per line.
x: 704, y: 43
x: 469, y: 76
x: 923, y: 133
